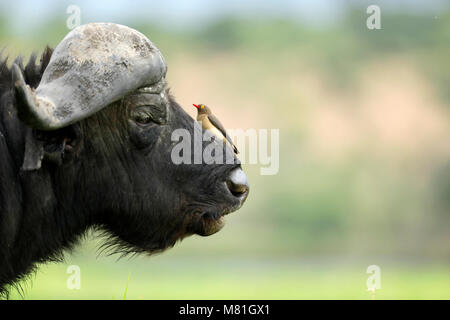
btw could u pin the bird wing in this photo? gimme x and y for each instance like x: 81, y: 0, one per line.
x: 216, y: 123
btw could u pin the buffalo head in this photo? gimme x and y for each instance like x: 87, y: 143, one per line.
x: 102, y: 119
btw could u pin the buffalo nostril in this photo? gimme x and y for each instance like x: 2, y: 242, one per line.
x: 238, y: 183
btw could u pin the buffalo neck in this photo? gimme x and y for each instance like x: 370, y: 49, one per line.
x: 34, y: 221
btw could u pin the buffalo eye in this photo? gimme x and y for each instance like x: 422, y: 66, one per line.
x: 142, y: 115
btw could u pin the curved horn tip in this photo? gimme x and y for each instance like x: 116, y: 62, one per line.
x: 27, y: 105
x: 17, y: 76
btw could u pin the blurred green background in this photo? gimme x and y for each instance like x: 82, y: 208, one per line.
x: 364, y: 121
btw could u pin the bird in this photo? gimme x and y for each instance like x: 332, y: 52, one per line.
x: 213, y: 125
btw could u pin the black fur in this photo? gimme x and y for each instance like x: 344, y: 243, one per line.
x: 105, y: 172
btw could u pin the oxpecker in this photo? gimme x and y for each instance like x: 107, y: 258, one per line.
x: 213, y: 125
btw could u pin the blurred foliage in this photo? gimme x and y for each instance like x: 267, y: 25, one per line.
x: 322, y: 203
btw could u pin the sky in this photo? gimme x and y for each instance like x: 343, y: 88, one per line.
x: 25, y: 14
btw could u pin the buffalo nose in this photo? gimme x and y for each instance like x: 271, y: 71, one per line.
x: 238, y: 183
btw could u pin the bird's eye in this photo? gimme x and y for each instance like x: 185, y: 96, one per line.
x: 142, y: 116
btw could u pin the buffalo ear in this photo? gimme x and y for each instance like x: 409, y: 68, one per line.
x: 34, y: 152
x: 50, y: 146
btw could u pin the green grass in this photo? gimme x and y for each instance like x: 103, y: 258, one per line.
x: 237, y: 278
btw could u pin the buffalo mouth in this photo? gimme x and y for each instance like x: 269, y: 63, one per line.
x: 235, y: 191
x: 210, y: 223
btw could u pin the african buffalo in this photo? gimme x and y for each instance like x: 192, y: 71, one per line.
x: 85, y: 142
